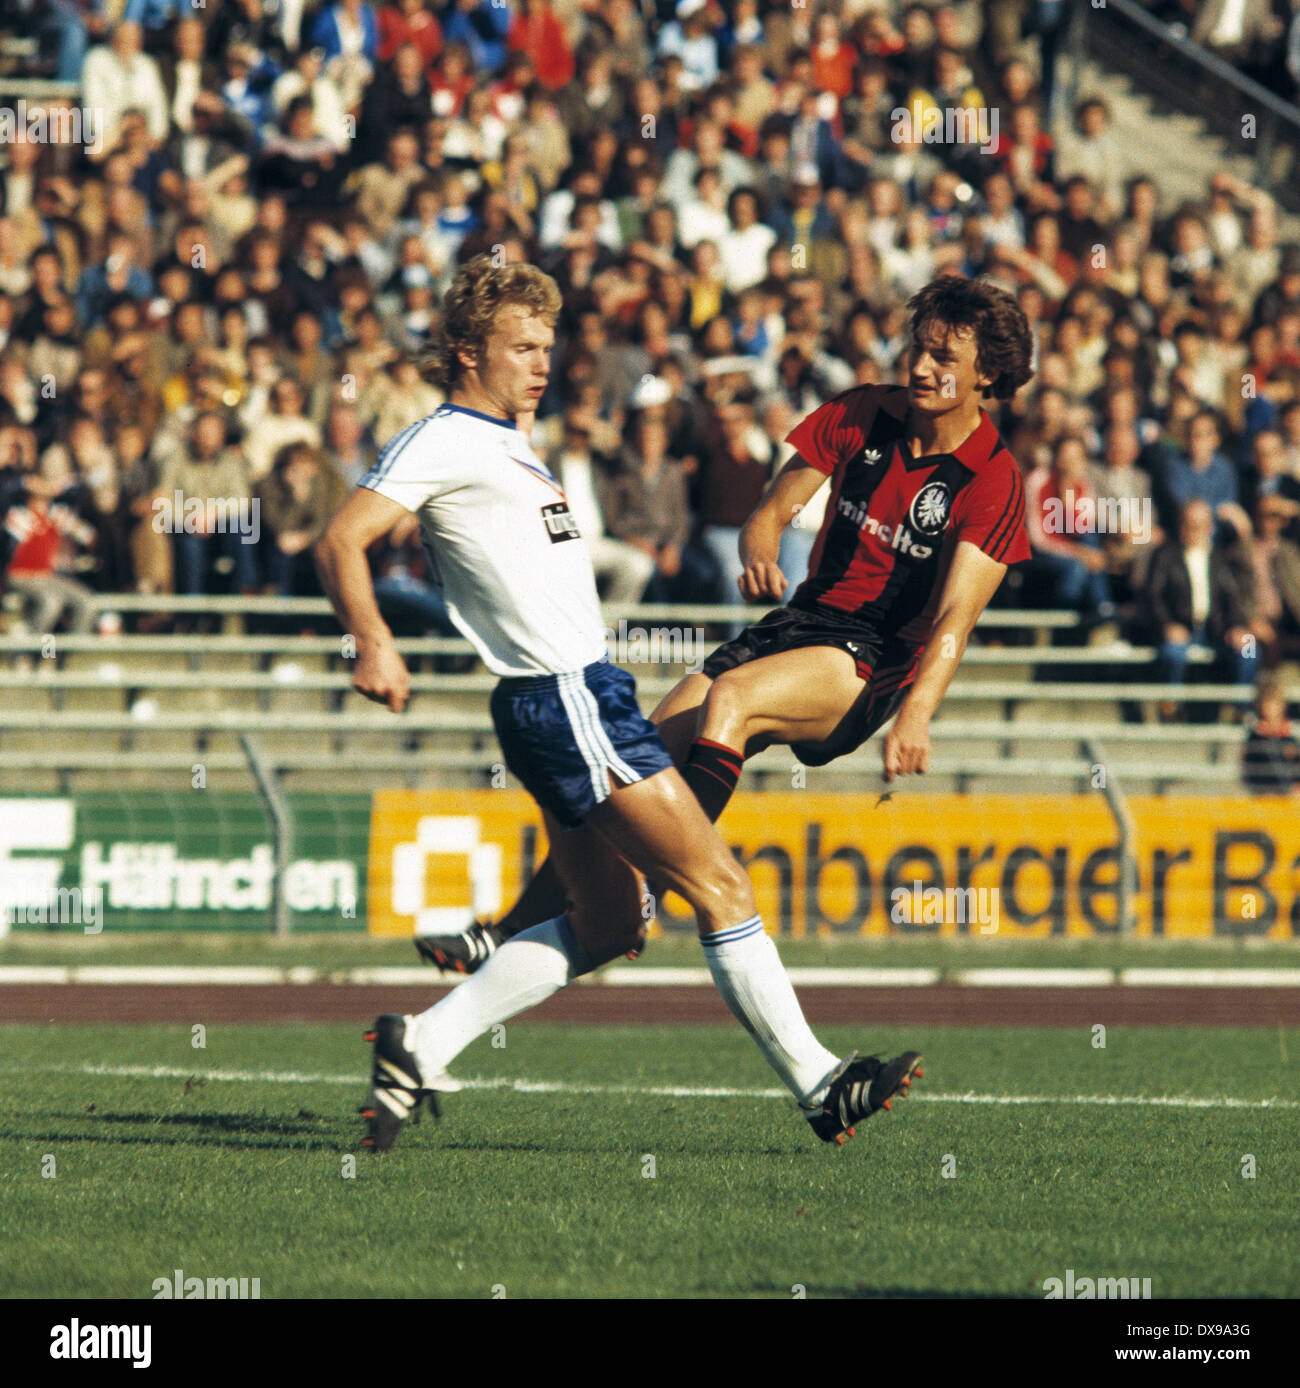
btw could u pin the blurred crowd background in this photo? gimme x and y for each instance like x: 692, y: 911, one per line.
x: 225, y: 298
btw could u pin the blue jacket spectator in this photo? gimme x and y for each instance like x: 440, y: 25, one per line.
x: 327, y: 33
x: 153, y: 16
x: 99, y: 283
x: 482, y: 27
x: 1203, y: 474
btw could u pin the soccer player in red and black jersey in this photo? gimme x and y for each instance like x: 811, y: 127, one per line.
x: 926, y: 513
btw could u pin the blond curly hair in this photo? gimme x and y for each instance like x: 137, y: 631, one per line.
x: 469, y: 307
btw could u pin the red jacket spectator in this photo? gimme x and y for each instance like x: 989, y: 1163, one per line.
x: 539, y: 33
x: 409, y: 21
x: 39, y: 530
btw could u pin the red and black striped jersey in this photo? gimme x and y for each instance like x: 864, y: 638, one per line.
x: 893, y: 521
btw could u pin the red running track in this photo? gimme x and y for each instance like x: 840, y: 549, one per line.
x: 943, y: 1005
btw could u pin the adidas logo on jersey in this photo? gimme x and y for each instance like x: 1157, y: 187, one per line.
x: 870, y: 456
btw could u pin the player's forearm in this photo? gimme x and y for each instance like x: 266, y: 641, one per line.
x: 943, y: 654
x: 760, y: 538
x: 345, y: 576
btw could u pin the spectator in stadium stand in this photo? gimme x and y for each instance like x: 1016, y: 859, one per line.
x: 247, y: 88
x: 1081, y: 233
x: 690, y: 37
x: 117, y: 274
x: 1270, y: 761
x: 1289, y: 432
x: 118, y: 77
x: 156, y: 18
x: 302, y: 160
x: 594, y: 102
x: 1092, y: 151
x: 1200, y: 592
x: 92, y: 394
x: 397, y: 398
x: 707, y: 150
x: 744, y: 244
x: 298, y: 499
x: 283, y: 424
x: 1203, y: 474
x: 1237, y: 33
x: 206, y: 470
x: 622, y: 570
x: 57, y: 349
x: 537, y: 31
x: 71, y: 24
x: 399, y: 97
x: 83, y: 474
x: 409, y: 21
x: 737, y: 462
x: 149, y: 546
x: 833, y: 59
x: 1267, y: 475
x: 1118, y: 478
x: 39, y: 528
x: 306, y: 79
x: 1027, y: 155
x: 186, y: 71
x: 703, y: 217
x: 481, y: 27
x: 1276, y: 564
x: 383, y: 188
x: 452, y: 80
x: 648, y: 507
x: 1284, y: 292
x: 347, y: 29
x: 1068, y: 567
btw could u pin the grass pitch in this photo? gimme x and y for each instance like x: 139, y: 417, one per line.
x: 593, y: 1161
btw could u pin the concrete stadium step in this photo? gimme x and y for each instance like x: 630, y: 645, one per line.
x: 1189, y: 154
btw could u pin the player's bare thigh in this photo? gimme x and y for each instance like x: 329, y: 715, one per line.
x: 658, y: 826
x: 802, y: 695
x: 678, y: 717
x: 604, y: 893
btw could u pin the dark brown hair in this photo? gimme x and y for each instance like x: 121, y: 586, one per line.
x: 1003, y: 343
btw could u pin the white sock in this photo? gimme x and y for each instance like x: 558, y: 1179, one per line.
x: 524, y: 971
x: 753, y: 982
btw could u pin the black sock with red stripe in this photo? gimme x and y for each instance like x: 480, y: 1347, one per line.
x: 712, y: 771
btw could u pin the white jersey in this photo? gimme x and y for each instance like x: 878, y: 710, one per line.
x: 514, y: 569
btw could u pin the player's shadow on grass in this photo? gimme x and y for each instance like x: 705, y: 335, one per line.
x: 202, y: 1130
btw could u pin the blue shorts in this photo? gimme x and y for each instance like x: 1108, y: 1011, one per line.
x: 562, y: 735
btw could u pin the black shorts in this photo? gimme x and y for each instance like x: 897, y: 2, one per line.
x: 886, y: 665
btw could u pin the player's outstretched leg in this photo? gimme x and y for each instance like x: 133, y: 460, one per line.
x: 398, y: 1084
x: 605, y: 922
x: 659, y: 827
x: 859, y: 1088
x: 545, y: 896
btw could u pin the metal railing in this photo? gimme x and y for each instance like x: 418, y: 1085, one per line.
x: 1123, y: 36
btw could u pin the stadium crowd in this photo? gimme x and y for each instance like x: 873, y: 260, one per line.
x: 212, y: 317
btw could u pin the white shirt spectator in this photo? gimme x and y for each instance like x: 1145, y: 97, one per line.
x: 555, y: 214
x: 699, y: 221
x: 744, y: 255
x: 112, y: 87
x: 1197, y: 560
x: 327, y: 108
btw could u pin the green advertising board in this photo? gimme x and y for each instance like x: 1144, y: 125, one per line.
x: 201, y: 860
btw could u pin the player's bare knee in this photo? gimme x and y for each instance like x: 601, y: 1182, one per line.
x: 727, y: 706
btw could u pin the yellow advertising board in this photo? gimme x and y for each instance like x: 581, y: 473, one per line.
x: 1017, y: 867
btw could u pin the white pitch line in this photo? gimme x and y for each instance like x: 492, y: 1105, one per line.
x: 667, y: 1091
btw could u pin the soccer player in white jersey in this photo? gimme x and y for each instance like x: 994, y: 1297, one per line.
x: 518, y: 582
